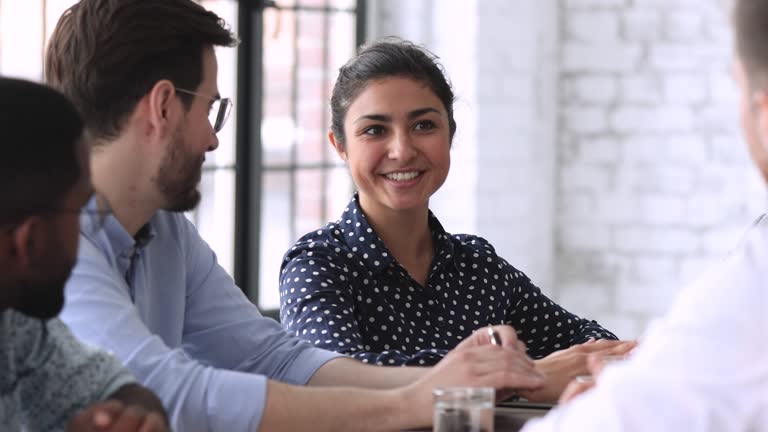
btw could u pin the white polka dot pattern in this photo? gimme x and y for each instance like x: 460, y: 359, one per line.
x: 341, y: 290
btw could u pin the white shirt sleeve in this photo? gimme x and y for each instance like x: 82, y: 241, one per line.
x: 703, y: 367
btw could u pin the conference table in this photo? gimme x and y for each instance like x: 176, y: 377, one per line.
x: 510, y: 417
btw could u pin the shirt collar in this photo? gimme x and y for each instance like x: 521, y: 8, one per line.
x: 442, y: 241
x: 368, y: 246
x: 362, y: 239
x: 122, y: 242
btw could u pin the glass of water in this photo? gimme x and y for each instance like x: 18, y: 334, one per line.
x: 464, y: 409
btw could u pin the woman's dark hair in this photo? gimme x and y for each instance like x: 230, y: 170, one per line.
x: 390, y: 57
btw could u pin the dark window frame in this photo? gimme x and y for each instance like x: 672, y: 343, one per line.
x: 249, y: 158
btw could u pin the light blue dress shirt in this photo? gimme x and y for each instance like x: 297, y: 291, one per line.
x: 170, y: 312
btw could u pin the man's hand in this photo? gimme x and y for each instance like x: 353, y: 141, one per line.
x: 561, y: 367
x: 476, y: 363
x: 595, y: 363
x: 114, y: 416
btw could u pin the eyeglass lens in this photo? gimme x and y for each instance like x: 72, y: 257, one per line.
x: 219, y: 113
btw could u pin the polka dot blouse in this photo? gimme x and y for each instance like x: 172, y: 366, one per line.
x: 341, y: 290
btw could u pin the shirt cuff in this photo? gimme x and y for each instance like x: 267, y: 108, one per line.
x: 237, y: 402
x: 123, y: 379
x: 306, y: 364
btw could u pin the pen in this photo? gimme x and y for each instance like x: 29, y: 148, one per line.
x: 495, y: 339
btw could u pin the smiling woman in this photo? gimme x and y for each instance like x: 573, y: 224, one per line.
x: 397, y: 148
x: 386, y: 283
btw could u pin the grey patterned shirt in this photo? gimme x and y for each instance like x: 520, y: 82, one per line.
x: 46, y: 375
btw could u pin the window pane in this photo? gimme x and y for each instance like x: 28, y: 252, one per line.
x: 302, y: 53
x: 275, y: 235
x: 335, y: 4
x: 341, y: 42
x: 215, y: 216
x: 280, y: 228
x: 278, y: 127
x: 338, y: 192
x: 312, y: 98
x: 21, y: 39
x: 344, y: 4
x: 309, y: 200
x: 227, y: 81
x: 53, y: 11
x: 313, y: 3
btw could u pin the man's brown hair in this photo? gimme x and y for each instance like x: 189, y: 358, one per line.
x: 105, y: 55
x: 750, y: 19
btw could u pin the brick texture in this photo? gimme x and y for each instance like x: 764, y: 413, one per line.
x: 657, y: 153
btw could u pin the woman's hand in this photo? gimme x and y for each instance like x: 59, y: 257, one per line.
x: 476, y: 362
x: 561, y: 367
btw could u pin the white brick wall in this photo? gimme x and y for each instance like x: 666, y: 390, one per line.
x: 598, y: 144
x: 516, y: 214
x: 656, y: 159
x: 592, y: 26
x: 596, y: 4
x: 604, y: 56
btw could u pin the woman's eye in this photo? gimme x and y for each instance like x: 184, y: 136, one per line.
x: 373, y: 130
x: 424, y: 125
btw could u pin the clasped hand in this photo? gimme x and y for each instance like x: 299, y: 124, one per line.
x: 115, y: 416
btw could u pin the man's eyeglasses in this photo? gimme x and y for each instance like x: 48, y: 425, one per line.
x: 219, y: 111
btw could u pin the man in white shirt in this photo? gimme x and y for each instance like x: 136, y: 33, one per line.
x: 704, y: 366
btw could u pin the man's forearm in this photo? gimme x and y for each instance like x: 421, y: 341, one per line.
x: 136, y: 395
x: 339, y: 409
x: 353, y: 373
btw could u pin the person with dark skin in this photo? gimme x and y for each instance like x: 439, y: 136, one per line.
x: 48, y: 379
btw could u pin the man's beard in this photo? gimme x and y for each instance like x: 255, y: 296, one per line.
x: 46, y: 305
x: 179, y: 177
x: 43, y: 298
